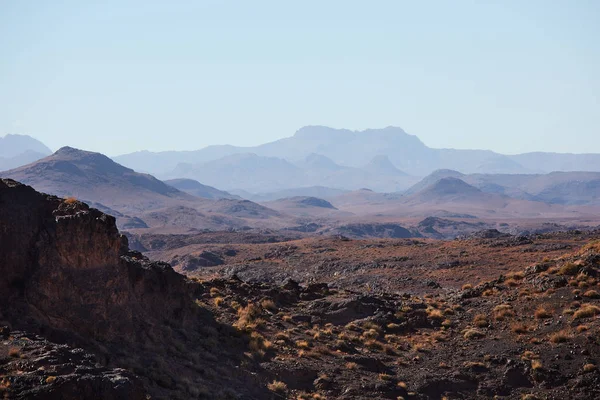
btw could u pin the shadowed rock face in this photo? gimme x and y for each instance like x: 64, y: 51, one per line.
x: 63, y: 257
x: 67, y: 273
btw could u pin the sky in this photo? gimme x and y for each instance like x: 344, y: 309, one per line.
x: 121, y: 76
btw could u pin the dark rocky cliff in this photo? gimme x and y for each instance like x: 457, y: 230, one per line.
x: 67, y: 275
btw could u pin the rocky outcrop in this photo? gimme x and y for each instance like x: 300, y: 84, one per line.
x: 67, y: 274
x: 370, y: 230
x: 70, y: 268
x: 35, y: 368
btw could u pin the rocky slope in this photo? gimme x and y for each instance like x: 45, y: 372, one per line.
x: 67, y: 274
x: 82, y: 316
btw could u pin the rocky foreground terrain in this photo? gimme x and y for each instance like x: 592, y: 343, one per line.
x: 83, y: 316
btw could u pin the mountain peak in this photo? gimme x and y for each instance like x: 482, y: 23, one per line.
x: 450, y: 186
x: 198, y: 189
x: 310, y: 201
x: 319, y: 132
x: 88, y: 175
x: 320, y: 161
x: 70, y: 151
x: 89, y: 160
x: 13, y: 145
x: 433, y: 178
x: 382, y: 165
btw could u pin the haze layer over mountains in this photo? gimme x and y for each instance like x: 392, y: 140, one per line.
x: 321, y: 181
x: 385, y: 160
x: 17, y: 150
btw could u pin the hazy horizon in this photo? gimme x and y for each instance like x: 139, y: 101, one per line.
x: 117, y: 153
x: 116, y: 78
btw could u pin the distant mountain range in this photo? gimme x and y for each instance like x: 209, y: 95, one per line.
x: 310, y: 191
x: 261, y: 174
x: 195, y: 188
x: 451, y: 197
x: 140, y: 200
x: 17, y: 150
x: 385, y: 160
x: 463, y: 201
x: 567, y: 188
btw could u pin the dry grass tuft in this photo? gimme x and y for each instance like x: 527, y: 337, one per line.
x: 589, y: 368
x: 219, y: 301
x: 517, y: 276
x: 386, y: 377
x: 277, y: 387
x: 258, y: 344
x: 435, y: 314
x: 480, y: 321
x: 282, y: 336
x: 536, y: 365
x: 519, y: 328
x: 529, y: 355
x: 560, y: 337
x: 542, y: 313
x: 249, y: 317
x: 351, y: 365
x: 14, y: 352
x: 503, y: 311
x: 70, y: 200
x: 473, y: 334
x: 511, y: 283
x: 568, y: 269
x: 268, y: 304
x: 586, y: 311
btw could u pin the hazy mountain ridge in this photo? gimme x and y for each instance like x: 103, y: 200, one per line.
x: 259, y: 174
x: 17, y: 150
x: 322, y: 192
x: 196, y: 188
x: 381, y: 159
x: 567, y: 188
x: 138, y: 200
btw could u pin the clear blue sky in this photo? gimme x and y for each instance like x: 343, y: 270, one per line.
x: 120, y: 76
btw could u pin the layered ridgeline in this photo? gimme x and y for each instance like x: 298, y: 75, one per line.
x: 260, y: 174
x: 17, y: 150
x: 567, y: 188
x: 343, y: 159
x: 198, y: 189
x: 140, y: 200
